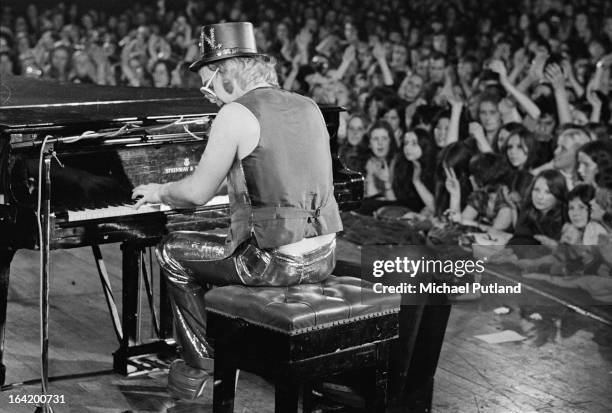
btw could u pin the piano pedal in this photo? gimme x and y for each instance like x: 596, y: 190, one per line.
x: 145, y: 364
x: 145, y: 357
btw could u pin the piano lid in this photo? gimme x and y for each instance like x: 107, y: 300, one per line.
x: 32, y: 103
x: 27, y: 102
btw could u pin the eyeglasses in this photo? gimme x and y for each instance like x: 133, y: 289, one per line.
x: 207, y: 90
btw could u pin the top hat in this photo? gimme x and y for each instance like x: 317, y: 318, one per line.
x: 225, y: 40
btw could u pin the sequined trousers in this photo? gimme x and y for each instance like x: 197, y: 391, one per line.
x: 194, y: 262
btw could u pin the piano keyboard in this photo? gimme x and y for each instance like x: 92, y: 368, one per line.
x: 128, y: 209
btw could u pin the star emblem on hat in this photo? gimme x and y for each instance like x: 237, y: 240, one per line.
x: 210, y: 39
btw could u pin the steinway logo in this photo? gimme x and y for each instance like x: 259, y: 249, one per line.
x: 187, y: 167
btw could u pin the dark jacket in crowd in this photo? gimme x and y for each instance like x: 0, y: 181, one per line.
x: 532, y: 223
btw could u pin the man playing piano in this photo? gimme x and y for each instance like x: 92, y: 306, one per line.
x: 273, y: 147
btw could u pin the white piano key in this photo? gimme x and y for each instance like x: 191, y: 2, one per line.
x: 128, y: 209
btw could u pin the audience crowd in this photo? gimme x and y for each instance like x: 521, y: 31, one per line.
x: 489, y: 115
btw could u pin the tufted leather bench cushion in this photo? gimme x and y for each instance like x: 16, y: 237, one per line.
x: 305, y: 307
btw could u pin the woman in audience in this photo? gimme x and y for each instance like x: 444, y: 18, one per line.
x: 59, y: 65
x: 520, y: 150
x: 594, y: 157
x: 583, y: 228
x: 588, y: 267
x: 84, y: 70
x: 411, y: 88
x: 504, y: 133
x: 161, y: 73
x: 573, y: 254
x: 441, y: 126
x: 353, y: 151
x: 413, y: 171
x: 452, y: 170
x: 378, y: 179
x: 393, y: 114
x: 542, y: 217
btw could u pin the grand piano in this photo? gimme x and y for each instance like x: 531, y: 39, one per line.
x: 69, y: 158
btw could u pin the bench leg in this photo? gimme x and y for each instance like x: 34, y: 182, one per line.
x: 308, y: 399
x: 224, y: 389
x: 286, y: 396
x: 377, y: 400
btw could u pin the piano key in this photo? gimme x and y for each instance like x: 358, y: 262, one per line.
x: 85, y: 214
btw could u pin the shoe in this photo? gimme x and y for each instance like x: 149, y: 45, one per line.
x: 186, y: 382
x: 339, y: 393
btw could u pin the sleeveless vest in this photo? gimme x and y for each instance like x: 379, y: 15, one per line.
x: 282, y: 192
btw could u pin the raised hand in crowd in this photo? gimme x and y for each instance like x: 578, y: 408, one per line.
x: 303, y: 40
x: 554, y: 74
x: 158, y: 48
x: 103, y: 67
x: 453, y: 187
x: 593, y: 98
x: 535, y: 72
x: 376, y: 168
x: 507, y: 107
x: 568, y: 71
x: 498, y: 67
x: 520, y: 62
x: 348, y: 57
x: 379, y: 169
x: 380, y: 54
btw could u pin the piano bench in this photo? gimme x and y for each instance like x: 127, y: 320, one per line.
x: 299, y: 334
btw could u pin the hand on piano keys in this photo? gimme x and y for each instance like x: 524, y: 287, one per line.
x: 146, y: 194
x: 128, y: 209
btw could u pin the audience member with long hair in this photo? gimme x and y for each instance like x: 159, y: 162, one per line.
x: 413, y: 172
x: 543, y: 214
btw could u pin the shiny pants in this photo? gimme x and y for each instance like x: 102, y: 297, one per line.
x: 194, y: 262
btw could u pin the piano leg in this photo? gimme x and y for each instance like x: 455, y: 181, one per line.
x: 166, y: 318
x: 6, y: 256
x: 125, y: 358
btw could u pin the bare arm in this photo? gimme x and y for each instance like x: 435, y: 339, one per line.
x: 595, y: 102
x: 503, y: 220
x: 347, y: 58
x: 295, y: 67
x: 424, y: 192
x: 520, y: 62
x: 522, y: 99
x: 455, y: 118
x: 454, y: 190
x: 555, y: 76
x: 379, y: 54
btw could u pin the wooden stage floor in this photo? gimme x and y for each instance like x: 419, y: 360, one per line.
x: 564, y: 365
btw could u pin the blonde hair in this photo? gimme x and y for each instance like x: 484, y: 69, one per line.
x: 248, y: 71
